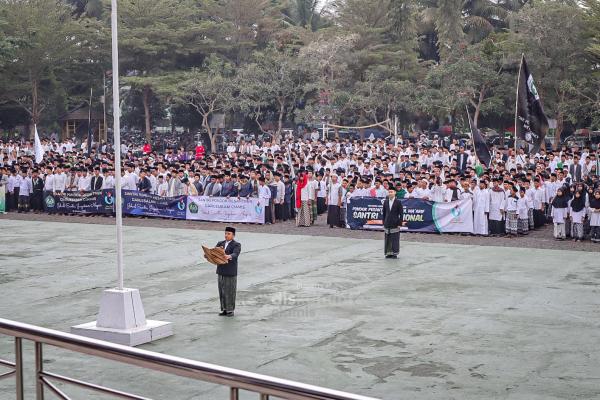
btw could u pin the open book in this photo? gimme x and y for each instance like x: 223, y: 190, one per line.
x: 215, y: 255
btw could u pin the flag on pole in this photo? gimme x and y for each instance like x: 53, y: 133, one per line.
x: 482, y: 151
x: 37, y: 146
x: 531, y: 124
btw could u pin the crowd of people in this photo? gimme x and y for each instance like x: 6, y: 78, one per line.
x: 304, y: 178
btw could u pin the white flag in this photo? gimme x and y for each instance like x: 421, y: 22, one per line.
x: 39, y: 150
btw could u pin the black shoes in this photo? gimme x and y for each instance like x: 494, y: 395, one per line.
x: 226, y: 314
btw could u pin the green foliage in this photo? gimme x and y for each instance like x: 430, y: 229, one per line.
x: 276, y: 81
x: 277, y: 61
x: 54, y: 59
x: 592, y: 19
x: 208, y: 91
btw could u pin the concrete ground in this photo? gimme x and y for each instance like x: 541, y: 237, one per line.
x: 445, y: 321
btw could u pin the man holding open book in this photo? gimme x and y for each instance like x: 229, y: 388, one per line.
x: 227, y: 271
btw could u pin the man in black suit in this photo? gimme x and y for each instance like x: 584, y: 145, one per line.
x: 461, y: 159
x: 144, y: 184
x: 228, y: 272
x: 392, y: 221
x: 576, y: 170
x: 97, y: 180
x: 37, y: 192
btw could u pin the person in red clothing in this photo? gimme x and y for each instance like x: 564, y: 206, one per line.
x: 147, y: 149
x: 200, y: 151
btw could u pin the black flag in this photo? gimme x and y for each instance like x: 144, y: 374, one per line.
x: 531, y: 124
x: 481, y: 148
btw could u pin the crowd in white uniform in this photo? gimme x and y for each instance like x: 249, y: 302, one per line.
x: 509, y: 197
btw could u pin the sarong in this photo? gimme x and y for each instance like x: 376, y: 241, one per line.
x: 333, y: 215
x: 392, y: 241
x: 227, y: 289
x: 512, y: 223
x: 304, y: 216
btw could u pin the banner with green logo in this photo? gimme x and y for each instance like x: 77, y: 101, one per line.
x: 223, y: 209
x: 2, y: 199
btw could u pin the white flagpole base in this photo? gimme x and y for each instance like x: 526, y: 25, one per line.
x: 122, y: 320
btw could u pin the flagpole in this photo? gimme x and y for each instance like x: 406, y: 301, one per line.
x: 117, y: 141
x: 121, y: 318
x: 89, y: 135
x: 104, y: 135
x: 517, y: 100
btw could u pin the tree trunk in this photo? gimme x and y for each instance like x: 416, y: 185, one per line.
x: 146, y: 93
x: 559, y: 129
x: 478, y: 107
x: 206, y: 125
x: 279, y: 122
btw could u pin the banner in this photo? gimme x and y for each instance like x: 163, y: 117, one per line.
x: 2, y: 199
x: 222, y: 209
x: 531, y: 124
x: 151, y: 205
x: 99, y: 202
x: 420, y: 215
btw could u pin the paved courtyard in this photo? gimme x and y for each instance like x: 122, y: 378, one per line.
x: 445, y: 321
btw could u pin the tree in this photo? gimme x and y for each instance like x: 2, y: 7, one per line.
x: 156, y: 38
x: 382, y: 95
x: 208, y: 91
x: 54, y: 55
x: 473, y: 76
x: 592, y: 18
x: 306, y: 14
x: 555, y: 56
x: 276, y: 79
x: 246, y: 25
x: 457, y: 22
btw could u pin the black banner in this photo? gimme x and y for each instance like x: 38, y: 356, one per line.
x: 531, y: 122
x: 151, y: 205
x: 481, y: 148
x: 98, y: 202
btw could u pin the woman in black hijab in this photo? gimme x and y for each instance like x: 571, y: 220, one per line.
x: 559, y: 213
x: 595, y: 216
x: 577, y: 212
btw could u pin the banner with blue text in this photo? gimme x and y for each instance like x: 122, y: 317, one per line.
x: 151, y: 205
x: 420, y: 215
x: 98, y: 202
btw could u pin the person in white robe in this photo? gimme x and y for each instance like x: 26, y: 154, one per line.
x: 497, y: 209
x: 481, y: 209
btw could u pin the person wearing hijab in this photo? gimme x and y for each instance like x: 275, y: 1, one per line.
x: 303, y: 201
x: 577, y: 212
x: 560, y: 205
x: 594, y: 212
